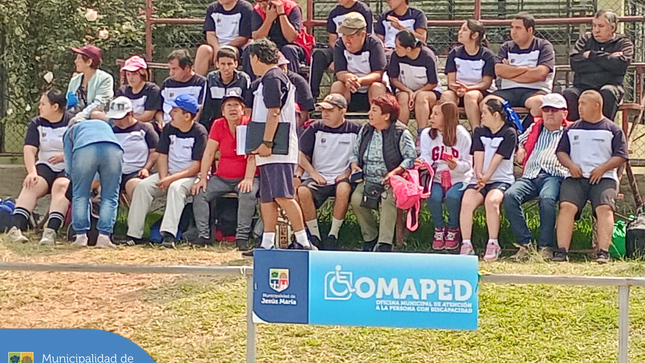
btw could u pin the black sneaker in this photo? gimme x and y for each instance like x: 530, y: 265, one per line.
x: 130, y: 241
x: 602, y: 257
x: 168, y: 241
x: 560, y: 255
x: 369, y: 246
x: 242, y: 245
x: 201, y: 242
x: 330, y: 243
x: 316, y: 242
x: 250, y: 253
x: 383, y: 247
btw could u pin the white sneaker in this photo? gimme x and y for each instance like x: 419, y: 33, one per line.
x: 80, y: 240
x: 103, y: 241
x: 49, y: 237
x: 15, y: 235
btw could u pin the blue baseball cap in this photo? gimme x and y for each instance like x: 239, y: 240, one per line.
x: 186, y: 102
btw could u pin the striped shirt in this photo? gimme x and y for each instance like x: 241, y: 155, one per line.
x: 544, y: 155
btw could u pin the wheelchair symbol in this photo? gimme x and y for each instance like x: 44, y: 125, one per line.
x: 338, y: 285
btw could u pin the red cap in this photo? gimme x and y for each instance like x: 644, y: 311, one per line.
x: 91, y: 51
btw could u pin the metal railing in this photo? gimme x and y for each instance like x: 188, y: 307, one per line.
x: 623, y: 283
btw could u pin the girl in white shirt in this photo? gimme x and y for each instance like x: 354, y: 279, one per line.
x: 493, y: 150
x: 445, y: 145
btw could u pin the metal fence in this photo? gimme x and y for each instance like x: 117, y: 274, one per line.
x: 172, y: 24
x: 622, y: 283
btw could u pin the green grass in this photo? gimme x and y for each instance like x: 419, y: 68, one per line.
x: 199, y: 319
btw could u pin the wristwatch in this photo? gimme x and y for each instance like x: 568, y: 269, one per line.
x: 268, y: 143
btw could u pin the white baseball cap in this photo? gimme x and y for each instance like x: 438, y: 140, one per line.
x: 119, y: 108
x: 554, y: 100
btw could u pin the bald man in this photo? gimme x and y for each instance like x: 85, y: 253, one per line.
x: 592, y: 149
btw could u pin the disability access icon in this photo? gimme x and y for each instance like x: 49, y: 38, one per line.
x: 21, y: 357
x: 279, y: 279
x: 339, y: 285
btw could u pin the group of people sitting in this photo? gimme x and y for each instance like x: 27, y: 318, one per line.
x: 192, y: 136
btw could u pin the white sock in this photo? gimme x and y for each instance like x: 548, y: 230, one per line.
x: 467, y: 241
x: 335, y: 226
x: 493, y: 240
x: 312, y: 226
x: 268, y: 239
x: 301, y: 238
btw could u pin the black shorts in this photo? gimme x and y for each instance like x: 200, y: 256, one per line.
x: 125, y: 178
x: 321, y: 193
x: 517, y: 97
x: 276, y: 181
x: 49, y: 175
x: 360, y: 102
x: 492, y: 186
x: 578, y: 190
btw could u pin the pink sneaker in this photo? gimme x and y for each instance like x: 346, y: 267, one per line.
x: 452, y: 238
x: 467, y: 249
x: 492, y: 251
x: 437, y: 240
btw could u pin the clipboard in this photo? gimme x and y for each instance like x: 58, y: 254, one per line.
x: 255, y: 137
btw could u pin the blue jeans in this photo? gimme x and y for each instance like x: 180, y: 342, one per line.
x: 453, y: 204
x: 103, y: 158
x: 547, y: 189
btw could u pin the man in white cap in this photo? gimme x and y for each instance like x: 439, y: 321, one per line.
x: 359, y: 62
x: 325, y: 147
x: 139, y: 142
x: 541, y: 178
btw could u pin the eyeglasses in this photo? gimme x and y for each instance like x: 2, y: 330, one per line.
x: 550, y: 109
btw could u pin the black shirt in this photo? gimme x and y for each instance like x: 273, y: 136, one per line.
x: 304, y: 98
x: 229, y: 24
x: 48, y: 138
x: 182, y: 148
x: 370, y: 58
x: 136, y: 142
x: 414, y: 73
x: 338, y: 13
x: 412, y: 19
x: 148, y: 99
x: 215, y: 92
x: 471, y: 69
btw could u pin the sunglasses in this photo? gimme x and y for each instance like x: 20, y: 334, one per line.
x: 550, y: 109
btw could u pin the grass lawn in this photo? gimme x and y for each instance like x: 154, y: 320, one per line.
x: 199, y: 319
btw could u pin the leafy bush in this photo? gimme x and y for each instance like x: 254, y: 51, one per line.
x: 36, y: 37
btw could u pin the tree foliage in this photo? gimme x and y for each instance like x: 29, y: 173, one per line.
x: 36, y: 37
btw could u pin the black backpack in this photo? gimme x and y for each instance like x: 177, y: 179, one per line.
x: 635, y: 237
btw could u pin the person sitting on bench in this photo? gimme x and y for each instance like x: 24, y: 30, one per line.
x: 543, y: 173
x: 180, y: 149
x: 220, y: 82
x: 592, y: 149
x: 325, y: 147
x: 599, y: 61
x: 227, y: 22
x: 359, y: 62
x: 322, y: 58
x: 525, y: 65
x: 234, y: 173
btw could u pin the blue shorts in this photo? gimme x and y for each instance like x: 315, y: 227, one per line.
x: 276, y: 181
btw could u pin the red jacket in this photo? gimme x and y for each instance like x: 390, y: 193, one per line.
x: 533, y: 137
x: 304, y: 40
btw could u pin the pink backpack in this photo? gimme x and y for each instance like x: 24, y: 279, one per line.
x: 409, y: 189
